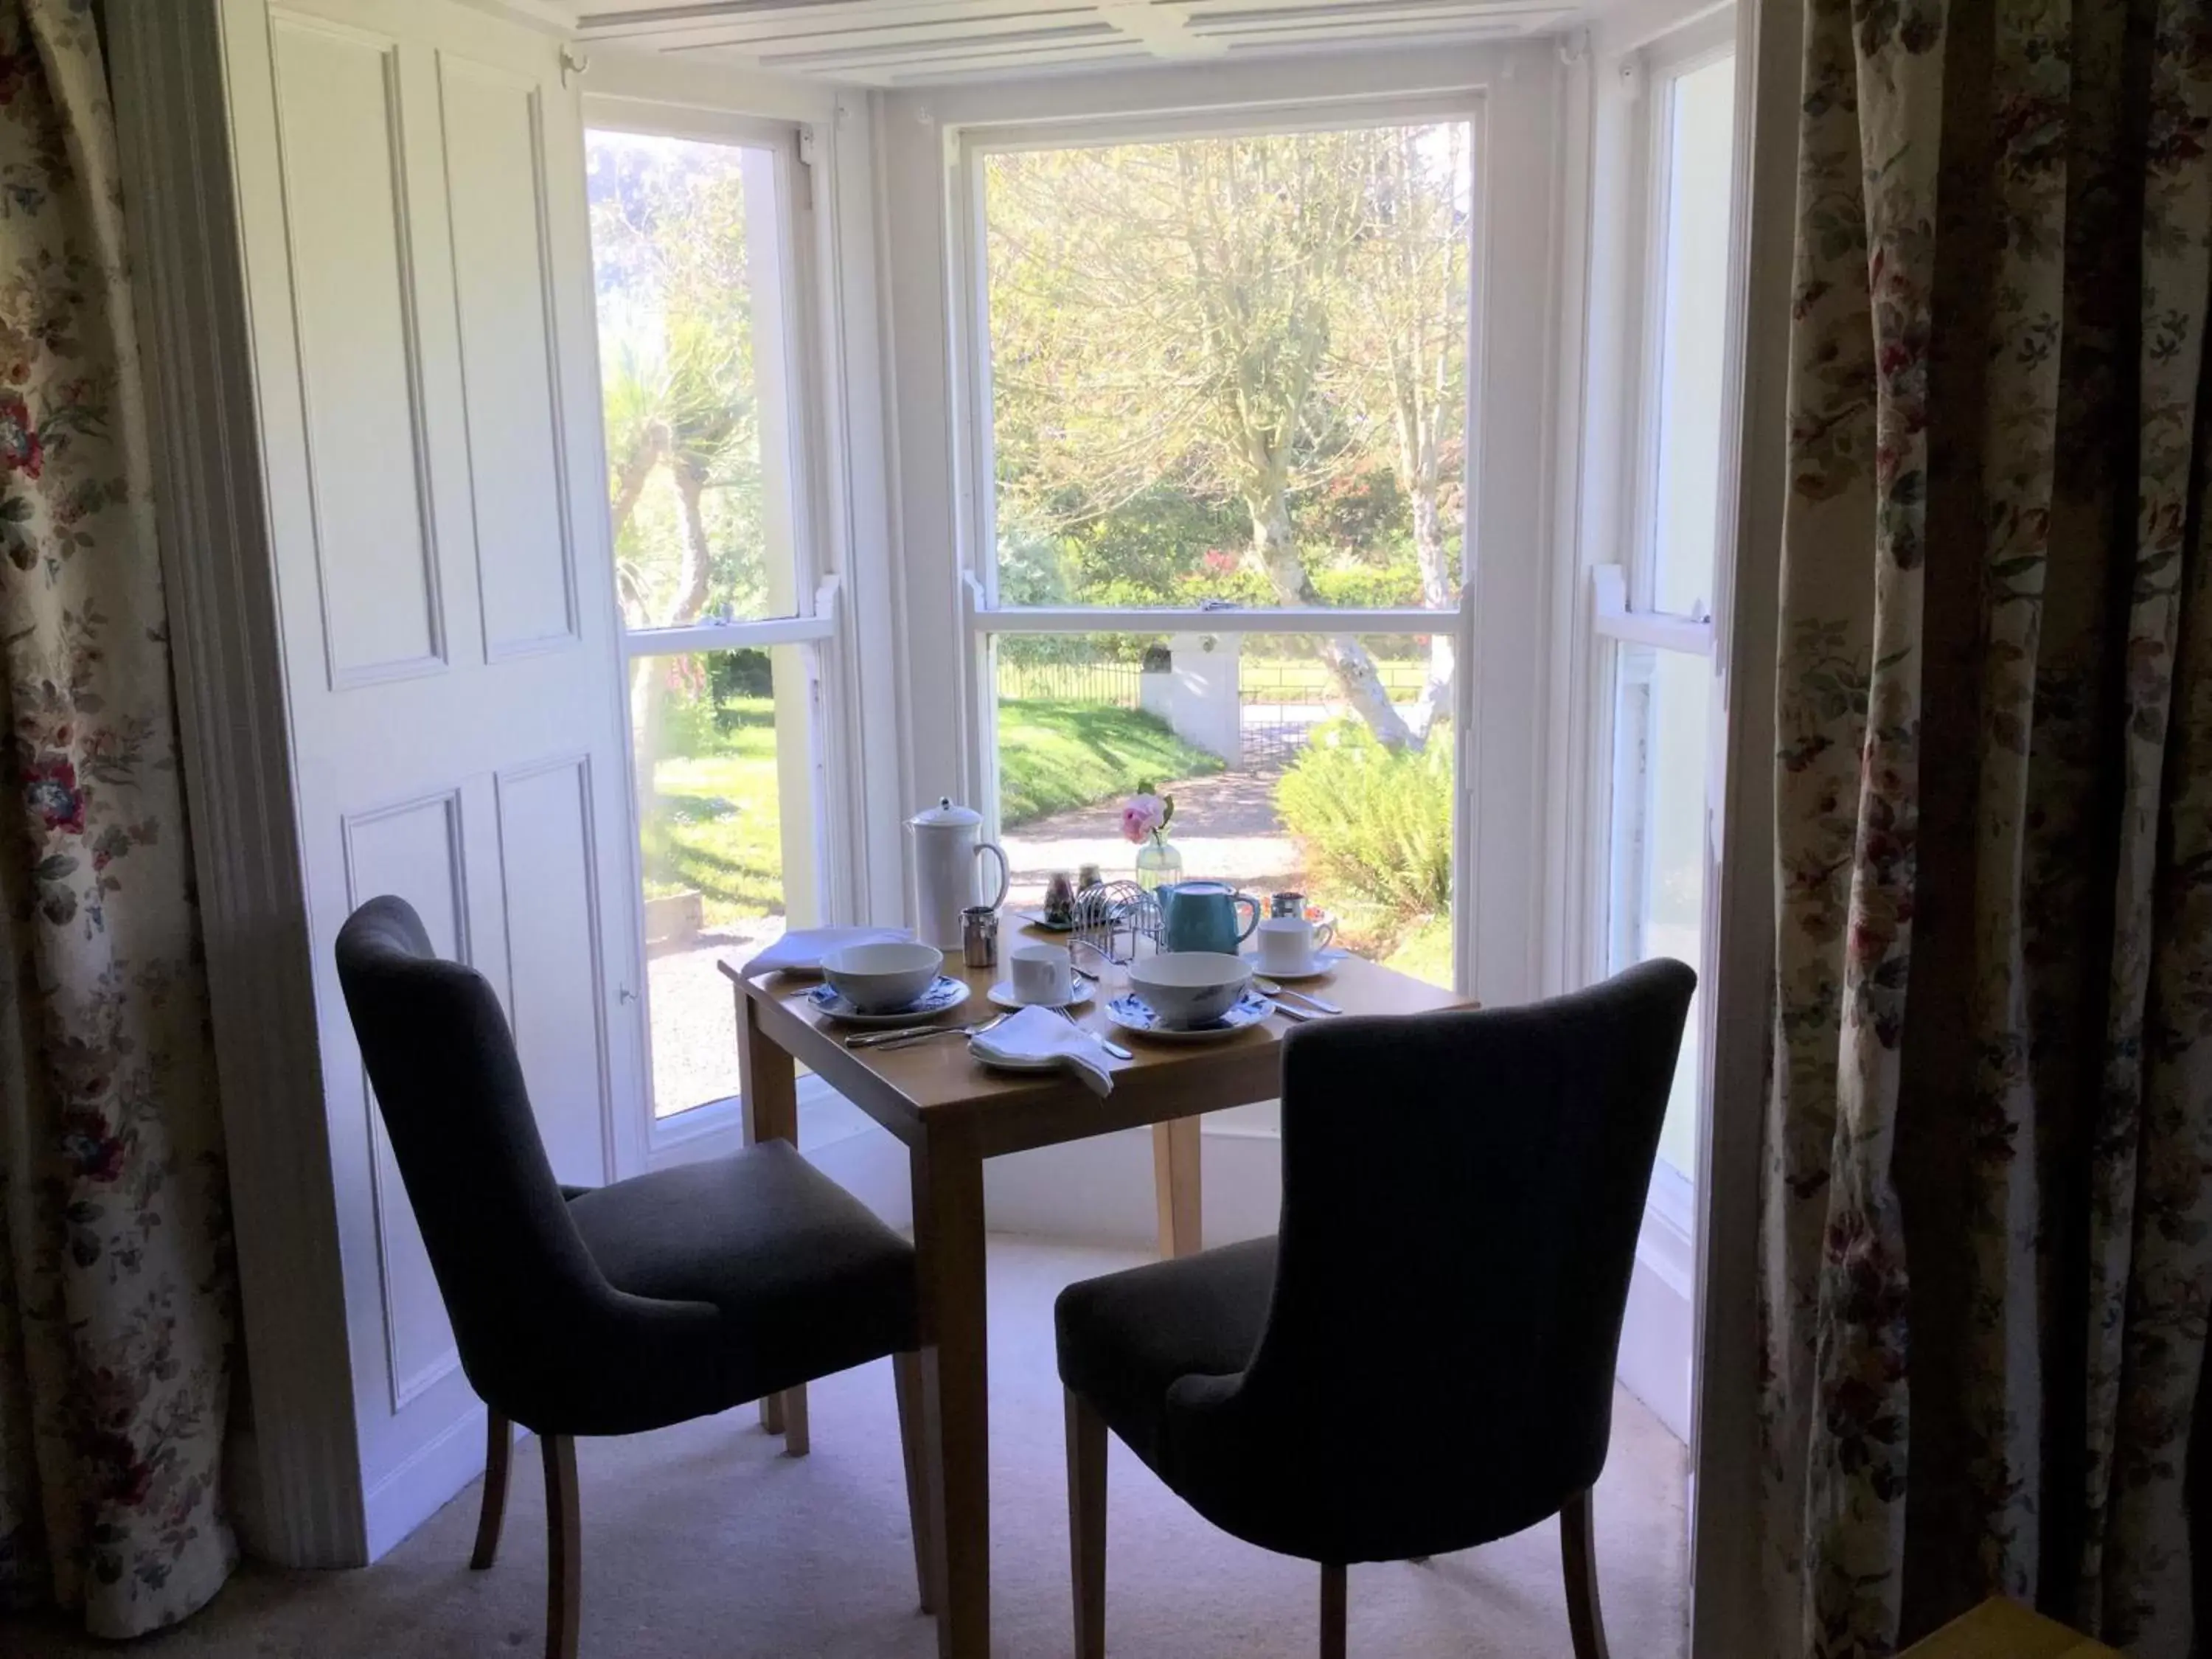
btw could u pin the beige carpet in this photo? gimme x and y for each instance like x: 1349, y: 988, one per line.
x: 703, y: 1540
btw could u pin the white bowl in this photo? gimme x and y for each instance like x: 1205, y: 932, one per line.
x: 1189, y: 987
x: 882, y: 979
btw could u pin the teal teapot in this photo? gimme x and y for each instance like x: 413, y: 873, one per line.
x: 1201, y: 916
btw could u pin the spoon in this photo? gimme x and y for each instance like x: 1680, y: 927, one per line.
x: 1110, y: 1047
x: 1270, y: 987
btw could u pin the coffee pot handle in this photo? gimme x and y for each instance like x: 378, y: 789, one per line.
x: 1005, y: 875
x: 1246, y: 898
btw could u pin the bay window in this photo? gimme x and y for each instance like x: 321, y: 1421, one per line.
x: 1220, y: 376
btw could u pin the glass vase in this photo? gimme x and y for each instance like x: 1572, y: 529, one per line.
x: 1158, y: 865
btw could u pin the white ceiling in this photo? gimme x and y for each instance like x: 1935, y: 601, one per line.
x: 888, y: 43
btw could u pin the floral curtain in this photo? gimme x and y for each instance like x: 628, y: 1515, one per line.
x: 1987, y: 1225
x: 117, y: 1307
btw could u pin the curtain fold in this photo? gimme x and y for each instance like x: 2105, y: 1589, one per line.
x: 1987, y: 1222
x: 118, y: 1313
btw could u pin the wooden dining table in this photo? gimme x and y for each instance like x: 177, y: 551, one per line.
x: 952, y: 1114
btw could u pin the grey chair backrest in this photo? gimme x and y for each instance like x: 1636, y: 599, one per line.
x: 518, y: 1283
x: 1462, y: 1198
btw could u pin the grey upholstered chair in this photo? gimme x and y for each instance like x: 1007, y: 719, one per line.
x: 614, y: 1310
x: 1461, y: 1194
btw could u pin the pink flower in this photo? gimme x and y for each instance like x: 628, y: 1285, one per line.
x: 21, y: 449
x: 54, y: 797
x: 1142, y: 816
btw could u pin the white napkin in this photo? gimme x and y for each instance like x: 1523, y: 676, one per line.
x: 801, y: 949
x: 1030, y: 1035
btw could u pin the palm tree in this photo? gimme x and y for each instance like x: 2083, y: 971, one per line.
x: 685, y: 403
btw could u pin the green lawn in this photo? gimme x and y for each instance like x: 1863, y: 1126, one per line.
x: 715, y: 827
x: 1425, y: 952
x: 1052, y: 755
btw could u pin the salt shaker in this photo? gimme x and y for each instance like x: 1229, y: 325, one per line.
x: 979, y: 936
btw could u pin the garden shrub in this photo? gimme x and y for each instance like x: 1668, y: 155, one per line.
x: 1373, y: 587
x: 1374, y: 823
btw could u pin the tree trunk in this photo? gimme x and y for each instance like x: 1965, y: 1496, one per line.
x: 631, y: 477
x: 1347, y: 658
x: 1419, y: 463
x: 648, y: 694
x: 690, y: 596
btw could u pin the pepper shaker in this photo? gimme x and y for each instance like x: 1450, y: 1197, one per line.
x: 979, y: 936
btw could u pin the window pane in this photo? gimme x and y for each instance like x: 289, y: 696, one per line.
x: 1661, y: 737
x: 1701, y: 132
x: 1232, y: 369
x: 1281, y: 782
x: 685, y: 250
x: 726, y: 774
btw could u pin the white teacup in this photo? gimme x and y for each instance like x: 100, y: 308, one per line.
x: 1288, y: 945
x: 1041, y: 973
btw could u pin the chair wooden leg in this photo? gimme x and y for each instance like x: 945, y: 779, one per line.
x: 771, y: 1413
x: 795, y: 1442
x: 1332, y: 1612
x: 1578, y: 1556
x: 1086, y: 1524
x: 906, y: 1376
x: 564, y: 1548
x: 499, y: 1451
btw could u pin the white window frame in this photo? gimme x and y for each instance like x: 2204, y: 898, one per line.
x: 1621, y: 591
x: 984, y: 619
x: 819, y: 620
x: 1625, y: 630
x: 1624, y: 621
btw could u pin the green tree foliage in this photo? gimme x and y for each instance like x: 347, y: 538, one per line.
x: 671, y: 254
x: 1224, y: 367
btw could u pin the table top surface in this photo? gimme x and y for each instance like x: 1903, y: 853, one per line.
x: 942, y: 1076
x: 1999, y: 1629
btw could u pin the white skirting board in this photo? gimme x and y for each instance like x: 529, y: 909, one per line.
x: 425, y: 1482
x: 1657, y: 1336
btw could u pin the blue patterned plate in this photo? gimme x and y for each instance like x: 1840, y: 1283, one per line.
x: 1134, y: 1015
x: 948, y: 993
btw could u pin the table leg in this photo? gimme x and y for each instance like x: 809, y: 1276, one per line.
x: 768, y: 1080
x: 948, y: 1228
x: 1175, y: 1185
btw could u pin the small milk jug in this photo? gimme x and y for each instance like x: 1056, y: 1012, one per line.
x: 947, y: 841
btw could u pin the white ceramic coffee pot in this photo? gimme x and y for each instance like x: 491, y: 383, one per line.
x: 947, y: 841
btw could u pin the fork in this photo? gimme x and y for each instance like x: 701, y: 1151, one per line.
x: 888, y: 1040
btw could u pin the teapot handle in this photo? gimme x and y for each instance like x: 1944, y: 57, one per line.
x: 1005, y: 875
x: 1246, y: 898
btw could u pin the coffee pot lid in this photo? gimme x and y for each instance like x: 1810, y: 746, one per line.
x: 944, y: 812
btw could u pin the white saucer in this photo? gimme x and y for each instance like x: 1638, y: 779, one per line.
x: 1321, y: 962
x: 1002, y: 994
x: 1134, y: 1015
x: 947, y: 994
x: 1041, y: 1063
